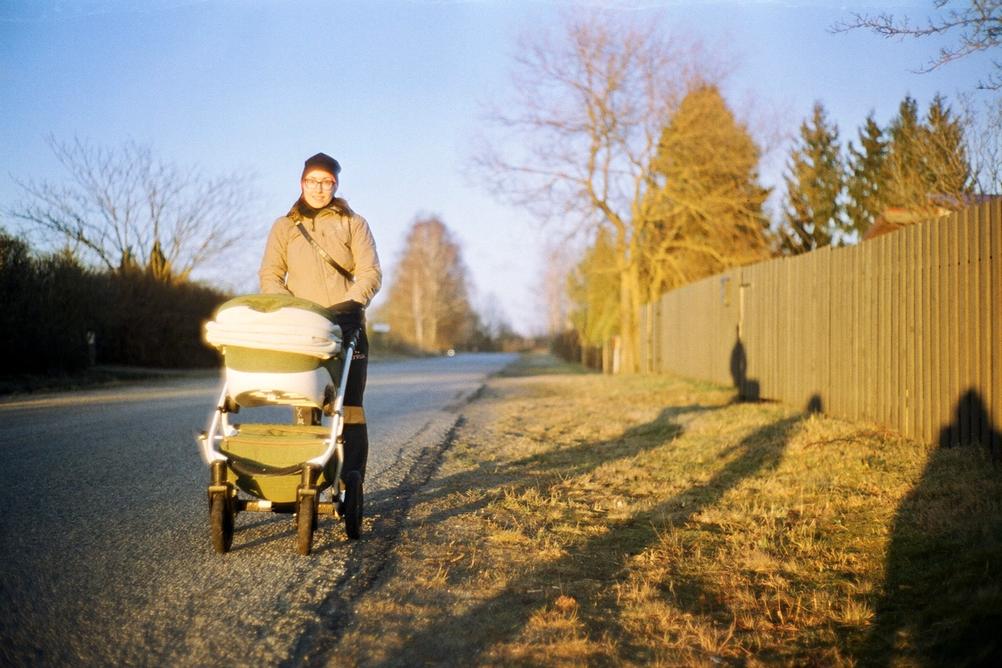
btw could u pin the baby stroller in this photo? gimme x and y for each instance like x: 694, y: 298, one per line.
x: 279, y: 350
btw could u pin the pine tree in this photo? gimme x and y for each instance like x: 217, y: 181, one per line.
x: 864, y: 180
x: 927, y: 170
x: 904, y: 177
x: 706, y: 213
x: 945, y: 155
x: 813, y: 215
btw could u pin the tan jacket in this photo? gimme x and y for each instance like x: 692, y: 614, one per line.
x: 292, y: 265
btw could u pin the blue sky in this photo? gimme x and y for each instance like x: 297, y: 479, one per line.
x: 393, y: 89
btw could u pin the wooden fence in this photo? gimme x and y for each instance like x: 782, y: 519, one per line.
x: 904, y: 330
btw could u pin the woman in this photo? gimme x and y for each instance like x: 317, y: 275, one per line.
x: 323, y: 251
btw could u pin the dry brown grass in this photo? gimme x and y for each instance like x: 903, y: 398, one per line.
x: 588, y: 520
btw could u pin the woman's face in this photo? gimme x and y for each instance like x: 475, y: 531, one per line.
x: 318, y: 188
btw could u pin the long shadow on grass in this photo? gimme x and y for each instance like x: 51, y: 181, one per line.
x: 372, y: 559
x: 546, y: 468
x: 502, y: 617
x: 941, y: 602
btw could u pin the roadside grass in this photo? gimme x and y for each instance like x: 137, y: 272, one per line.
x: 581, y: 519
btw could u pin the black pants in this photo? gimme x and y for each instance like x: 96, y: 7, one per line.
x: 356, y: 436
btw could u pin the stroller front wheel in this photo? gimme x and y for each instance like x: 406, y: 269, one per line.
x: 221, y: 522
x: 306, y: 521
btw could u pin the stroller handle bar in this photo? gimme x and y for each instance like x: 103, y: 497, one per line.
x: 337, y: 424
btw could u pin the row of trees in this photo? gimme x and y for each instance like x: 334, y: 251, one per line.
x: 620, y: 133
x: 916, y: 164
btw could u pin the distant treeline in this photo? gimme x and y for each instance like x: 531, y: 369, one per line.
x: 59, y: 316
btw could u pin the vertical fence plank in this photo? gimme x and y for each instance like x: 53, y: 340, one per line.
x: 945, y: 275
x: 976, y: 333
x: 862, y: 329
x: 971, y: 421
x: 956, y: 356
x: 897, y: 389
x: 865, y: 341
x: 835, y: 289
x: 984, y: 316
x: 881, y: 326
x: 906, y: 352
x: 884, y: 328
x: 927, y: 331
x: 949, y: 362
x: 936, y: 262
x: 870, y: 342
x: 996, y: 326
x: 892, y: 309
x: 961, y: 415
x: 915, y: 257
x: 822, y: 281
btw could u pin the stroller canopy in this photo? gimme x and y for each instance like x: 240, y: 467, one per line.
x: 281, y: 323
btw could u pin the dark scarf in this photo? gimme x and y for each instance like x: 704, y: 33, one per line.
x: 307, y: 211
x: 303, y: 210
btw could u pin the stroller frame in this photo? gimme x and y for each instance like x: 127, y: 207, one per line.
x: 228, y: 472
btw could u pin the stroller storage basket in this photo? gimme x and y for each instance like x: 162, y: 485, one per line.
x: 257, y: 449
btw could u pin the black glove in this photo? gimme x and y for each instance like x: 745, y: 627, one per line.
x: 345, y: 308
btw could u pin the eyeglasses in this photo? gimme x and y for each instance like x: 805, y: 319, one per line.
x: 314, y: 184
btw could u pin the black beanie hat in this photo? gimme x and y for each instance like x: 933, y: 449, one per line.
x: 324, y: 162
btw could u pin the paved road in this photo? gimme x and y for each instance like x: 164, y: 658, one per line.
x: 104, y: 539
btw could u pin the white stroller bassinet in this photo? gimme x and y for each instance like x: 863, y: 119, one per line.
x: 277, y: 349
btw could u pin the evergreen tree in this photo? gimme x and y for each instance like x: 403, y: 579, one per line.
x: 914, y: 170
x: 813, y: 216
x: 865, y: 176
x: 927, y: 169
x: 945, y: 155
x: 706, y: 212
x: 904, y: 179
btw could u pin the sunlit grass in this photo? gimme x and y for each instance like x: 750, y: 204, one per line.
x: 583, y: 519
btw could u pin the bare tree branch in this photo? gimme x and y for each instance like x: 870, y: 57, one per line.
x: 977, y: 24
x: 122, y: 206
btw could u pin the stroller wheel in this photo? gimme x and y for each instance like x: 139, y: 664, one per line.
x: 353, y: 505
x: 306, y: 520
x: 221, y: 522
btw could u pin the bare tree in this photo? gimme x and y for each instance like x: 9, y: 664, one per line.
x: 122, y: 207
x: 576, y: 144
x: 983, y: 123
x: 552, y: 294
x: 977, y: 24
x: 428, y: 303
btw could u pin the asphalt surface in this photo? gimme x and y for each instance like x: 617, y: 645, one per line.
x: 104, y: 537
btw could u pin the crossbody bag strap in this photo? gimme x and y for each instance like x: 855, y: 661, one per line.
x: 327, y: 258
